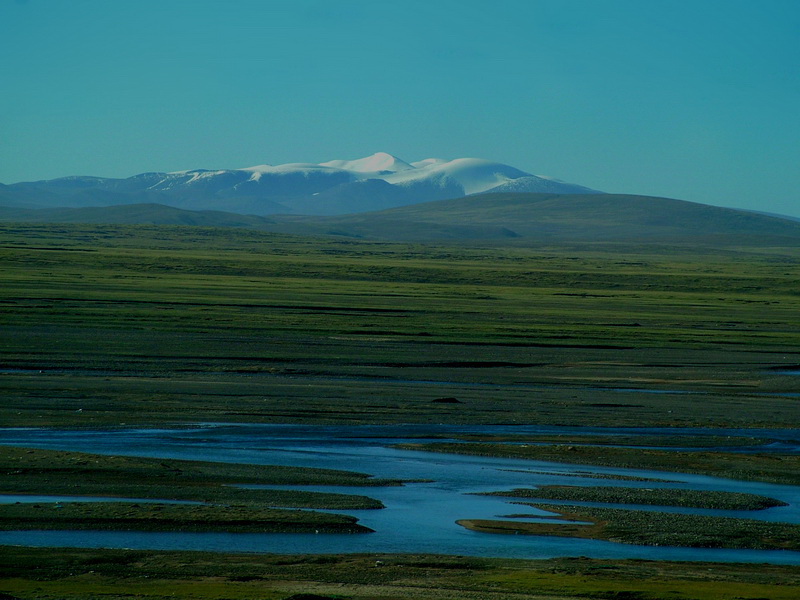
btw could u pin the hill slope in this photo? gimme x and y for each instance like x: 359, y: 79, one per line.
x: 498, y: 217
x: 554, y: 217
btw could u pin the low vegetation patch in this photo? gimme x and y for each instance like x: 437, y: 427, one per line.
x: 224, y: 506
x: 773, y: 468
x: 650, y: 528
x: 590, y: 475
x: 147, y: 325
x: 85, y: 574
x: 658, y: 496
x: 57, y: 472
x: 642, y: 440
x: 128, y: 516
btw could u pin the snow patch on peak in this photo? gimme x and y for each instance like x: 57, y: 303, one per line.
x: 420, y: 164
x: 537, y: 184
x: 306, y: 170
x: 288, y: 167
x: 203, y: 174
x: 258, y: 168
x: 427, y: 179
x: 378, y: 162
x: 475, y: 175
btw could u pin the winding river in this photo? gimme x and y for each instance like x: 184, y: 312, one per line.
x: 419, y: 517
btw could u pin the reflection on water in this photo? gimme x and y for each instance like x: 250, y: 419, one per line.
x: 419, y: 517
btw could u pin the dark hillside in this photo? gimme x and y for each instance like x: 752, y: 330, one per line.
x: 501, y: 218
x: 551, y: 217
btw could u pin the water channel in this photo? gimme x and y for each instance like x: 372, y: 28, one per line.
x: 419, y: 517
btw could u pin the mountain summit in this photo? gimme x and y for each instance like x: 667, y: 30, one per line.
x: 377, y: 163
x: 336, y: 187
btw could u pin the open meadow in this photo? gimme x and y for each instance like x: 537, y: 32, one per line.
x: 104, y: 325
x: 109, y: 326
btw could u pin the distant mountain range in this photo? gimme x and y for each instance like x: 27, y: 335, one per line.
x: 383, y: 197
x: 336, y: 187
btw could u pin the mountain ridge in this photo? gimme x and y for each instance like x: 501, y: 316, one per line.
x: 291, y: 188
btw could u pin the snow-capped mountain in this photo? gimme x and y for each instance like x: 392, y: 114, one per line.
x: 335, y: 187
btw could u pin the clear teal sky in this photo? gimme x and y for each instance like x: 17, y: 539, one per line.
x: 690, y: 99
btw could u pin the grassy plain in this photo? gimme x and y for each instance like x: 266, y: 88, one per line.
x: 102, y: 326
x: 105, y: 325
x: 37, y: 471
x: 93, y: 574
x: 654, y: 497
x: 772, y: 467
x: 138, y: 516
x: 208, y: 494
x: 649, y: 528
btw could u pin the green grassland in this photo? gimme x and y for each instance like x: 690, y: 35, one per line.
x: 657, y: 497
x: 774, y: 467
x: 520, y: 218
x: 104, y: 325
x: 58, y: 472
x: 112, y: 325
x: 46, y: 574
x: 650, y: 528
x: 137, y: 516
x: 215, y: 500
x: 622, y: 439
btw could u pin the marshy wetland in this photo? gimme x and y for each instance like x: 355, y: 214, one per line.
x: 371, y: 394
x: 413, y: 504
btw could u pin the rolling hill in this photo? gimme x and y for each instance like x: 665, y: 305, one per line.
x: 558, y: 216
x: 500, y: 218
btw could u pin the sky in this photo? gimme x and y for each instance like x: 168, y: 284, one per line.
x: 691, y: 99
